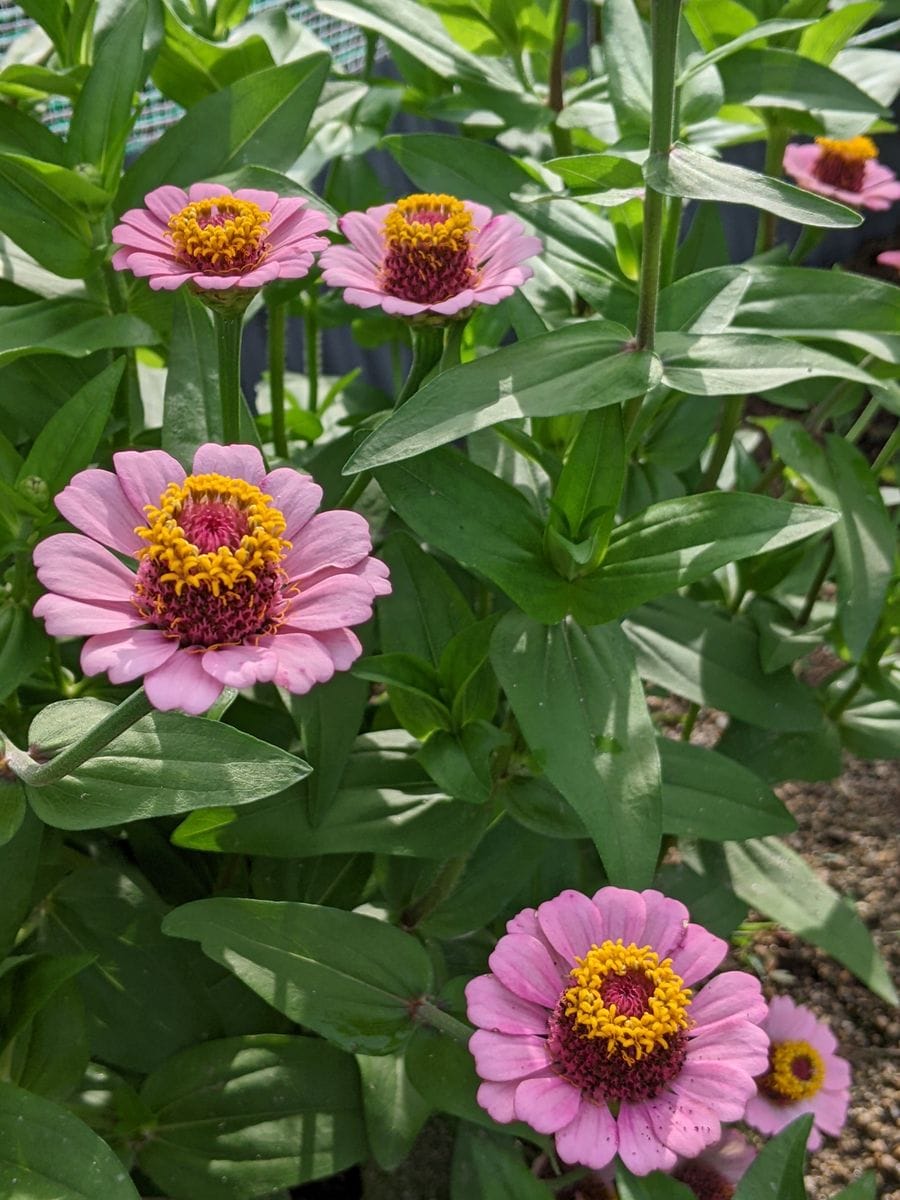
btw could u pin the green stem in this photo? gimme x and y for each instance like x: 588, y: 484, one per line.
x: 767, y: 225
x: 815, y: 587
x: 131, y: 406
x: 228, y: 340
x: 121, y: 718
x: 690, y: 720
x: 430, y: 1014
x: 732, y: 411
x: 355, y: 490
x: 443, y: 886
x: 809, y: 238
x: 887, y: 452
x: 277, y: 326
x: 863, y: 421
x: 427, y: 347
x: 844, y: 702
x: 665, y: 17
x: 311, y: 351
x: 562, y: 139
x: 772, y: 471
x: 525, y: 445
x: 453, y: 336
x: 674, y: 206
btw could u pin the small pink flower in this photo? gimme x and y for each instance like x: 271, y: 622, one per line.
x: 231, y: 580
x: 847, y: 171
x: 216, y: 240
x: 890, y: 258
x: 428, y: 253
x: 714, y: 1174
x: 589, y: 1030
x: 805, y: 1075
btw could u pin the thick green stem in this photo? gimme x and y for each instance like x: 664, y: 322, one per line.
x: 443, y: 886
x: 732, y: 411
x: 121, y: 718
x: 430, y: 1014
x: 228, y: 339
x: 427, y: 347
x: 311, y: 351
x: 277, y: 327
x: 887, y: 452
x: 767, y: 225
x: 665, y: 17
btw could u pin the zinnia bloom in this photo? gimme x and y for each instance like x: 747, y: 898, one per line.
x: 890, y: 258
x: 427, y: 253
x: 234, y: 580
x: 216, y: 240
x: 714, y: 1174
x: 848, y: 171
x: 804, y: 1075
x: 591, y: 1031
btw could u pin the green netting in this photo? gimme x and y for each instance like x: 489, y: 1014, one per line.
x: 345, y: 42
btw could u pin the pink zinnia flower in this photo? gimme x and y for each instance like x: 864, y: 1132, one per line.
x: 428, y: 253
x: 714, y: 1174
x: 590, y: 1030
x: 216, y: 240
x: 233, y: 579
x: 890, y: 258
x: 805, y: 1075
x: 847, y: 171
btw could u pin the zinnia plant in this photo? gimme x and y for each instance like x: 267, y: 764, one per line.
x: 232, y: 577
x: 590, y: 1029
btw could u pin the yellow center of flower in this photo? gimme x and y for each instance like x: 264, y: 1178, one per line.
x: 626, y: 996
x: 213, y: 532
x: 856, y: 149
x: 796, y: 1072
x: 221, y: 234
x: 427, y: 221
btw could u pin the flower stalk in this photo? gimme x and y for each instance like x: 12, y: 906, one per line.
x: 427, y: 348
x: 277, y: 322
x: 228, y: 342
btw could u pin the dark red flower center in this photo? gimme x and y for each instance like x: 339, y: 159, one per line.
x: 705, y: 1181
x: 428, y: 254
x: 842, y: 162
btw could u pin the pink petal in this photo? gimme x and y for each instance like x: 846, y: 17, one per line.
x: 338, y: 601
x: 297, y: 497
x: 590, y: 1139
x: 500, y: 1058
x: 241, y: 666
x: 214, y: 283
x: 337, y: 539
x: 525, y: 921
x: 498, y: 1100
x: 481, y: 214
x: 768, y: 1118
x: 142, y: 264
x: 234, y: 462
x: 287, y: 213
x: 95, y: 503
x: 723, y: 1087
x: 623, y: 913
x: 164, y: 202
x: 837, y: 1074
x: 571, y: 924
x: 524, y: 966
x: 682, y: 1124
x: 547, y: 1103
x: 206, y: 191
x: 395, y: 307
x: 267, y: 201
x: 65, y: 617
x: 492, y: 1006
x: 74, y: 565
x: 125, y: 655
x: 141, y: 221
x: 302, y: 662
x: 182, y: 683
x: 365, y: 233
x: 734, y: 994
x: 364, y: 299
x: 800, y: 160
x: 831, y: 1111
x: 145, y: 475
x: 667, y: 922
x: 341, y: 645
x: 135, y: 239
x: 786, y: 1020
x: 639, y: 1148
x: 168, y: 283
x: 700, y: 954
x: 890, y: 258
x: 270, y: 270
x: 739, y: 1044
x: 455, y: 304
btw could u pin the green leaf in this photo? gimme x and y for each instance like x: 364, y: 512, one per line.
x: 416, y: 678
x: 74, y: 328
x: 579, y: 703
x: 67, y: 442
x: 237, y: 1118
x: 23, y: 648
x: 20, y: 133
x: 777, y: 882
x: 782, y: 79
x: 655, y: 1186
x: 50, y: 1057
x: 190, y: 67
x: 778, y: 1168
x: 47, y: 1153
x: 679, y: 541
x: 574, y: 369
x: 164, y: 764
x: 597, y: 172
x: 729, y: 363
x: 490, y: 1167
x: 870, y: 727
x: 775, y: 756
x: 348, y: 977
x: 710, y: 658
x: 394, y: 1111
x: 102, y: 115
x: 866, y: 1187
x: 755, y: 34
x: 328, y: 719
x: 263, y: 117
x: 460, y: 763
x: 706, y: 795
x: 36, y: 978
x: 19, y: 858
x: 426, y: 609
x: 12, y: 811
x: 704, y: 888
x: 686, y: 172
x: 704, y: 302
x: 822, y: 40
x: 627, y: 60
x: 587, y: 493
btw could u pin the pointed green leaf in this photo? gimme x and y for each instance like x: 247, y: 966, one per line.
x: 778, y: 1168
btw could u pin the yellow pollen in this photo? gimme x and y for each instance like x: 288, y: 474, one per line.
x: 223, y: 568
x: 222, y: 232
x: 404, y: 227
x: 783, y: 1082
x: 633, y: 1035
x: 856, y: 149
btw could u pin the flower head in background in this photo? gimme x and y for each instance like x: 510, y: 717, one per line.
x: 845, y: 170
x: 890, y: 258
x: 805, y: 1075
x: 215, y: 240
x: 714, y: 1174
x: 429, y: 254
x: 590, y: 1029
x: 234, y: 578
